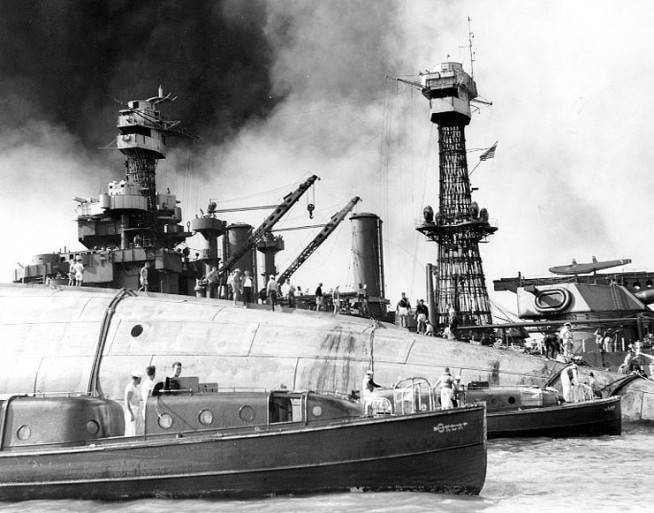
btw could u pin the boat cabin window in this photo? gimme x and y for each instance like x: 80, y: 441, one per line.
x: 285, y: 408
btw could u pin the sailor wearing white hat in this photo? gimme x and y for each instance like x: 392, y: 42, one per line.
x: 131, y: 403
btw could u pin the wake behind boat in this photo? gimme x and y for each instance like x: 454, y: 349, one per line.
x: 201, y: 443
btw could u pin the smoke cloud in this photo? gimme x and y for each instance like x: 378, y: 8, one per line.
x: 69, y: 59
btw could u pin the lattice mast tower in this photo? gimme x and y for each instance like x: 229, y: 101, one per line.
x: 142, y: 139
x: 459, y: 225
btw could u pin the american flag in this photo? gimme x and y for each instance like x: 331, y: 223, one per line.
x: 489, y: 153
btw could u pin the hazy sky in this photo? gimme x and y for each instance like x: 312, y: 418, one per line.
x: 280, y: 90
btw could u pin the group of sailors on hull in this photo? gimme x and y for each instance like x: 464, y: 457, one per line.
x: 559, y: 346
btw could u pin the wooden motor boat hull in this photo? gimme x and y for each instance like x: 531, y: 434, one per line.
x: 588, y: 418
x: 517, y: 411
x: 442, y: 451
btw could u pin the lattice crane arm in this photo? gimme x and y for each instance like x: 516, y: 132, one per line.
x: 289, y: 200
x: 331, y: 225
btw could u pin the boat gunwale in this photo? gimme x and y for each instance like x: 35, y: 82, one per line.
x: 557, y: 407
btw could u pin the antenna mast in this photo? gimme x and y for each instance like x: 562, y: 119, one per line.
x: 471, y: 36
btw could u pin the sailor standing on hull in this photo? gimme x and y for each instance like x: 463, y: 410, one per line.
x: 319, y: 298
x: 403, y: 309
x: 271, y: 290
x: 77, y: 271
x: 143, y: 277
x: 422, y: 312
x: 565, y: 335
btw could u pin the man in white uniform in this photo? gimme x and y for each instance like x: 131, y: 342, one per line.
x: 131, y: 403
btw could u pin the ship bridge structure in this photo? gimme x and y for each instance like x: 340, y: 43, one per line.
x: 459, y: 225
x: 130, y: 222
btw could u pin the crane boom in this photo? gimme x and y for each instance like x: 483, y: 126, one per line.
x: 289, y: 200
x: 318, y: 240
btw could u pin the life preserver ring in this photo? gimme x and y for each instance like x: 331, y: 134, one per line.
x: 553, y: 300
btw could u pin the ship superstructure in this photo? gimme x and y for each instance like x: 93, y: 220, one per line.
x: 130, y: 223
x: 608, y: 311
x: 133, y: 208
x: 459, y: 225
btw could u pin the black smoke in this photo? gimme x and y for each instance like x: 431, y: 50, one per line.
x: 63, y: 62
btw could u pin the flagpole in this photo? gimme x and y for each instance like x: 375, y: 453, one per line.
x: 473, y: 169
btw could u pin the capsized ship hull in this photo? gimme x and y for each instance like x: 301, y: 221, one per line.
x: 51, y: 337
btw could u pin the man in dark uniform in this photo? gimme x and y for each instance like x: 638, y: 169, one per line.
x: 551, y: 341
x: 319, y: 298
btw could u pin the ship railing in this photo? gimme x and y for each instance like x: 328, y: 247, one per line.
x: 466, y: 221
x: 412, y: 395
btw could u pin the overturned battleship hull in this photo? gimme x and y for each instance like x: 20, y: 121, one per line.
x: 89, y: 340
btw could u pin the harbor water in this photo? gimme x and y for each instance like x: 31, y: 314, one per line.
x: 598, y: 474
